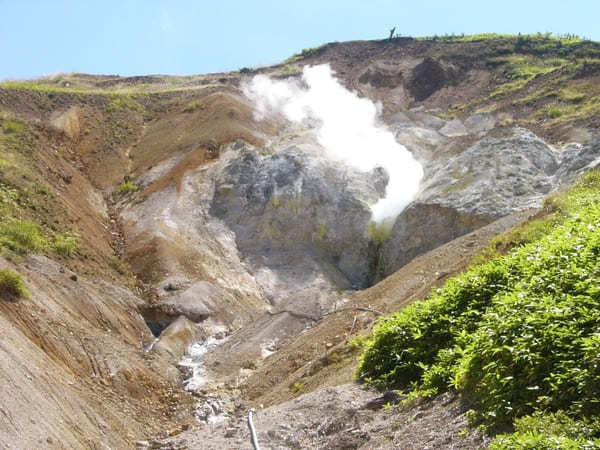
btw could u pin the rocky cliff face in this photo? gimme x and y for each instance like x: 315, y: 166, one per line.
x: 294, y: 208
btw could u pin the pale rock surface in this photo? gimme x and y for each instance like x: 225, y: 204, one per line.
x: 489, y: 180
x: 178, y: 336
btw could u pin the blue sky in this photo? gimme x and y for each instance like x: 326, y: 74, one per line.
x: 129, y: 37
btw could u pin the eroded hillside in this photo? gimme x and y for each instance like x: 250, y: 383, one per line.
x: 146, y: 214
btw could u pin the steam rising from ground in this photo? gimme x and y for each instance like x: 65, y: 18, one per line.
x: 347, y: 128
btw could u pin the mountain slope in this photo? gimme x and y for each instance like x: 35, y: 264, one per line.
x: 130, y: 202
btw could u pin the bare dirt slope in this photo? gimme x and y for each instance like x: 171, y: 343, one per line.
x: 74, y: 373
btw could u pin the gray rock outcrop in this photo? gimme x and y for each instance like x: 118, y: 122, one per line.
x: 300, y: 214
x: 177, y: 337
x: 489, y: 180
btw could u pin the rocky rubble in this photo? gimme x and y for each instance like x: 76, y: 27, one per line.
x: 346, y: 416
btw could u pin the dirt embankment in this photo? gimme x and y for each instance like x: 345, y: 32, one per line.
x: 75, y: 370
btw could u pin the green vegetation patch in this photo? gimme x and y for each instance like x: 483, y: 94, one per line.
x: 288, y: 70
x: 119, y: 131
x: 538, y: 40
x: 297, y: 387
x: 305, y: 53
x: 66, y: 244
x: 556, y: 209
x: 22, y: 236
x: 12, y: 126
x: 39, y: 85
x: 517, y: 335
x: 551, y: 431
x: 5, y: 164
x: 12, y: 285
x: 466, y: 37
x: 577, y: 102
x: 126, y: 187
x: 522, y: 69
x: 379, y: 232
x: 123, y: 102
x: 194, y: 106
x: 16, y: 136
x: 29, y: 212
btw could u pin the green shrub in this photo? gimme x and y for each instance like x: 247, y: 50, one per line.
x: 12, y: 126
x: 12, y: 285
x: 126, y: 187
x: 22, y: 236
x: 549, y: 432
x: 194, y: 106
x: 297, y: 387
x: 380, y: 232
x: 66, y: 244
x: 555, y: 112
x: 515, y: 335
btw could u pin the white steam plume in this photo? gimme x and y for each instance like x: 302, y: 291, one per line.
x: 347, y: 128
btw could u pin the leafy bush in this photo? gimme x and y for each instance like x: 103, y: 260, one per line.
x: 549, y: 432
x: 22, y: 236
x: 12, y: 285
x: 555, y: 112
x: 127, y: 186
x: 296, y: 387
x: 515, y: 335
x: 66, y: 244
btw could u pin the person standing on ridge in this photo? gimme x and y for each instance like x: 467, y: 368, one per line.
x: 392, y: 33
